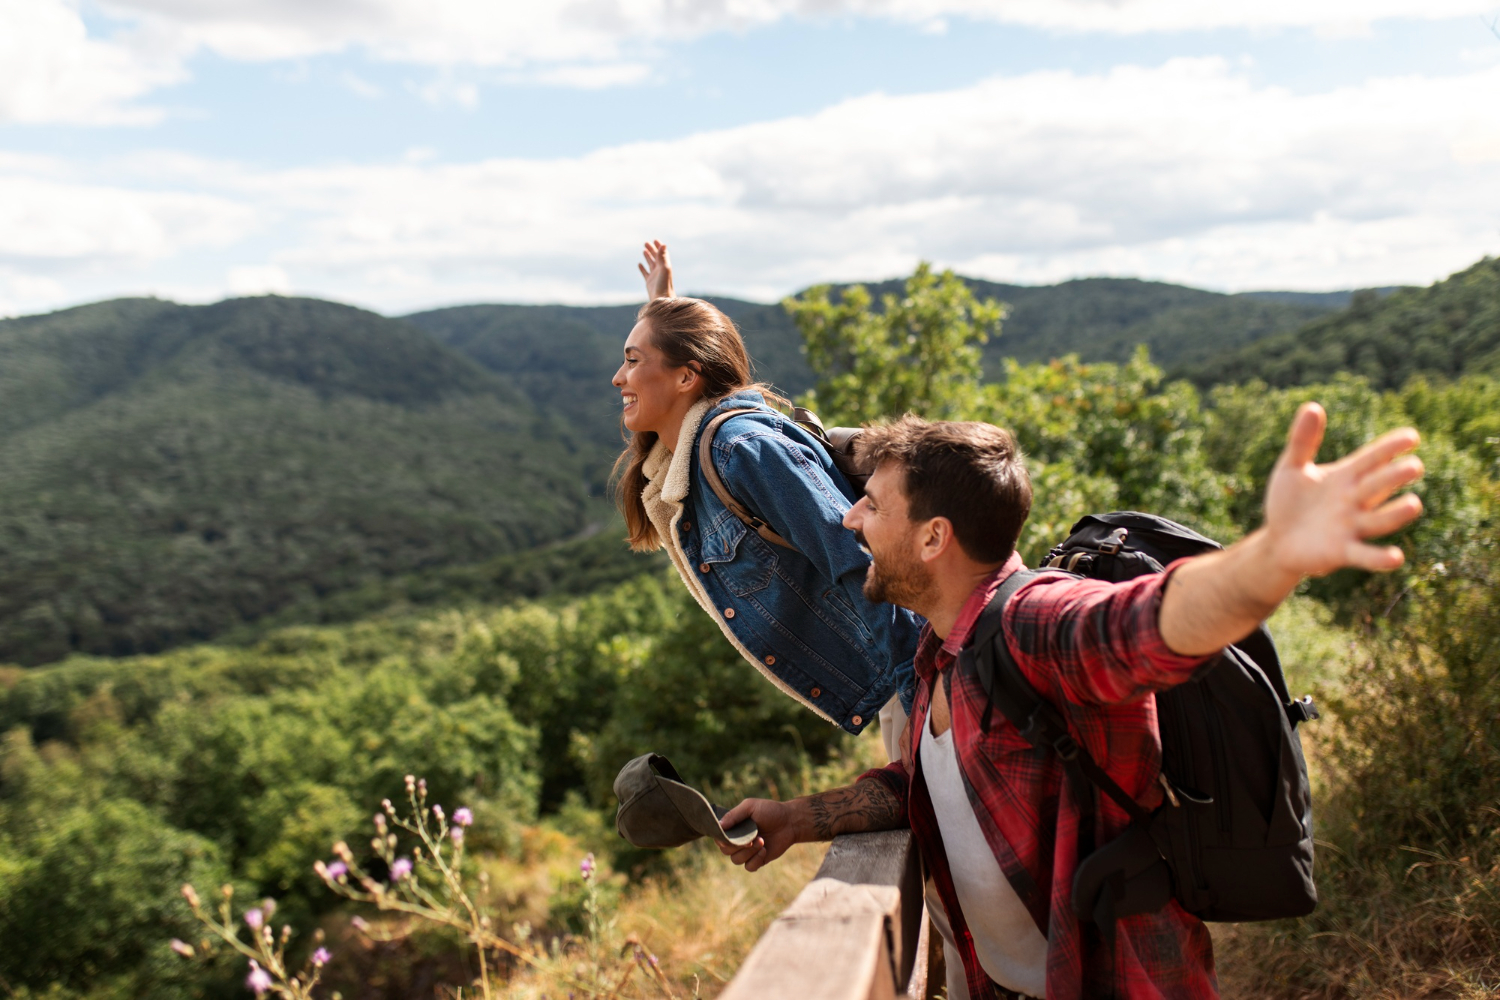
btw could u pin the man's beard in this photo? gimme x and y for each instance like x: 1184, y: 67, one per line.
x: 897, y: 580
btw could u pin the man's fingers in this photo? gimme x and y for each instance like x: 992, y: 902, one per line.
x: 1376, y: 487
x: 1375, y: 558
x: 1389, y: 517
x: 1305, y: 436
x: 755, y: 860
x: 1384, y: 448
x: 741, y: 855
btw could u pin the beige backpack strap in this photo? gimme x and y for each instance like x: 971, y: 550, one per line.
x: 739, y: 510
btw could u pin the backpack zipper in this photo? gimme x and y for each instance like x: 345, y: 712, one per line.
x: 1221, y: 762
x: 1189, y: 824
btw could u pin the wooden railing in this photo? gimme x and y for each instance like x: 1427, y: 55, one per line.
x: 857, y: 931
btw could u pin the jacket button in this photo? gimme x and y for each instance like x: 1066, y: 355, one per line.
x: 858, y: 720
x: 728, y: 612
x: 770, y: 661
x: 687, y: 525
x: 816, y: 693
x: 704, y: 567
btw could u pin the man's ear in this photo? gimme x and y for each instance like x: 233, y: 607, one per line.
x: 936, y: 538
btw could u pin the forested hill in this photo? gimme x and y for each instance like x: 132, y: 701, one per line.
x: 1446, y: 329
x: 170, y: 472
x: 563, y: 356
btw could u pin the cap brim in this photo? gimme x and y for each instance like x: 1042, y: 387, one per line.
x: 703, y: 816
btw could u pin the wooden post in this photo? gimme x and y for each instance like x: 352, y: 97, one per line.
x: 855, y: 932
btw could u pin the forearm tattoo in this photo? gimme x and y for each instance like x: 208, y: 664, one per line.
x: 869, y: 805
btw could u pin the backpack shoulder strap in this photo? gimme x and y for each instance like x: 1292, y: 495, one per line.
x: 1037, y: 719
x: 716, y: 483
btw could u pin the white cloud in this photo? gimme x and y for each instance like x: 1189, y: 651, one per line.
x: 52, y: 71
x: 257, y: 279
x: 54, y: 221
x: 1186, y: 171
x: 482, y: 32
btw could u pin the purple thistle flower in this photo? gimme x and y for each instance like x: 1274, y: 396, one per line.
x: 586, y: 866
x: 254, y: 918
x: 259, y: 979
x: 400, y: 868
x: 462, y: 816
x: 320, y: 957
x: 337, y: 870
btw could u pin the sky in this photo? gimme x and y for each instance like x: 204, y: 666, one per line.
x: 408, y: 154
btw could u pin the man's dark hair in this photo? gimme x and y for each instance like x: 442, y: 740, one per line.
x: 971, y: 473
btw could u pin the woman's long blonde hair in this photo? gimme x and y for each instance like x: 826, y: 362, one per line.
x: 687, y: 332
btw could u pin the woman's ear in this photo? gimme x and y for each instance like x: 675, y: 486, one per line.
x: 691, y: 376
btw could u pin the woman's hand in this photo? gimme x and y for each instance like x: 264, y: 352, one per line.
x: 657, y: 270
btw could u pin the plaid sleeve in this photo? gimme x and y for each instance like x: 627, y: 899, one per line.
x: 1098, y: 642
x: 895, y: 777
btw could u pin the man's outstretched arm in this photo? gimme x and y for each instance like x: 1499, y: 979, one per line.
x: 856, y: 808
x: 1319, y: 518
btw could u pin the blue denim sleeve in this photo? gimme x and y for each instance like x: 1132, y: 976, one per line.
x: 791, y: 486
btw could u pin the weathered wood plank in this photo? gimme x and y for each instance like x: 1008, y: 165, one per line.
x: 887, y: 857
x: 853, y: 933
x: 832, y: 943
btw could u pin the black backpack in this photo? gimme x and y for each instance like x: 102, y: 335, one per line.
x: 1232, y: 839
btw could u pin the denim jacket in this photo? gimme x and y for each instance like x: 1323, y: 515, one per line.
x: 799, y: 616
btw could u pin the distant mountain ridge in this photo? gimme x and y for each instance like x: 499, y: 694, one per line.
x: 1445, y: 329
x: 170, y: 472
x: 563, y: 356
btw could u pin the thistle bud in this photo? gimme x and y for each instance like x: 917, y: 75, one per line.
x: 191, y: 895
x: 182, y: 948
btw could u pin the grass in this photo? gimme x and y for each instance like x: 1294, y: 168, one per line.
x: 701, y: 916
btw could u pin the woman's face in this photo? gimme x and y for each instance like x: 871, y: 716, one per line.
x: 655, y: 394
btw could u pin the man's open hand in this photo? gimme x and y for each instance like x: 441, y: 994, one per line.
x: 1319, y: 518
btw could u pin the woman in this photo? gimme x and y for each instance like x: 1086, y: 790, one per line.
x: 797, y: 614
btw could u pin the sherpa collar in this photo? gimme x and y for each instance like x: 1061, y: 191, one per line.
x: 669, y: 475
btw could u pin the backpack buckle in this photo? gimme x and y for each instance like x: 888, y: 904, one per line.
x: 1066, y: 746
x: 1115, y: 542
x: 1302, y: 710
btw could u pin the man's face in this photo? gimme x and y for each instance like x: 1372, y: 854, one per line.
x: 897, y: 574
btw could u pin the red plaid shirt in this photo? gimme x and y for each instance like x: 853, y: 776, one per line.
x: 1092, y: 649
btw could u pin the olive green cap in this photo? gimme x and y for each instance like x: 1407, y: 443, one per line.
x: 658, y: 810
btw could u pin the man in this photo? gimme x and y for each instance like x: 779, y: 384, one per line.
x: 998, y: 834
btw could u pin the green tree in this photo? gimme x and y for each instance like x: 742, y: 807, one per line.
x: 918, y: 353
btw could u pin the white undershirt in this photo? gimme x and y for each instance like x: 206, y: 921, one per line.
x: 1010, y: 948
